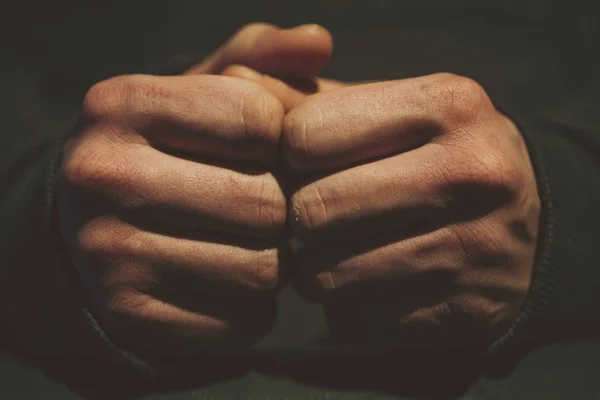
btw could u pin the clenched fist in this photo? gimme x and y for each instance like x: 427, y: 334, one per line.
x: 170, y: 200
x: 171, y: 211
x: 415, y: 200
x: 418, y: 208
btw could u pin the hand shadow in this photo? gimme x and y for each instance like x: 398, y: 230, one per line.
x: 419, y: 373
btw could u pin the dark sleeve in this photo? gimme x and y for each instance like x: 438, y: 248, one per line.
x: 564, y: 299
x: 43, y: 314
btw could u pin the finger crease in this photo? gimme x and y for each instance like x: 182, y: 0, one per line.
x: 243, y: 114
x: 260, y: 202
x: 318, y: 193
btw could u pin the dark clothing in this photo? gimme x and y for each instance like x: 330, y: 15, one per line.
x: 538, y: 60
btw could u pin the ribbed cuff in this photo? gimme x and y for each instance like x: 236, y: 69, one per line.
x: 93, y: 341
x: 107, y: 351
x: 544, y: 292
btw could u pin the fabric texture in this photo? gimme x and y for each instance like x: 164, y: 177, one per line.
x: 536, y: 62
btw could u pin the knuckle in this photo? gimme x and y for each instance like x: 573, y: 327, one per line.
x: 476, y: 187
x: 266, y: 277
x: 299, y: 129
x: 102, y: 238
x: 309, y: 209
x: 262, y: 116
x: 460, y: 99
x: 430, y: 317
x: 121, y: 95
x: 481, y: 243
x: 108, y: 98
x: 268, y: 202
x: 487, y: 169
x: 124, y: 306
x: 131, y: 242
x: 95, y: 239
x: 103, y: 99
x: 503, y: 173
x: 493, y: 241
x: 493, y: 170
x: 90, y: 167
x: 486, y: 317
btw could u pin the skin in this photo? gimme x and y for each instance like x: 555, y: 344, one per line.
x: 283, y: 61
x: 170, y: 199
x: 415, y: 201
x: 419, y: 215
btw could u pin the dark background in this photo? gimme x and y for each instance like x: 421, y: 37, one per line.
x: 540, y: 57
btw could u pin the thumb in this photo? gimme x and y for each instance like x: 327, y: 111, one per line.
x: 300, y: 52
x: 291, y: 91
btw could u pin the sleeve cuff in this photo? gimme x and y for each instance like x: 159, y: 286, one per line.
x: 564, y: 296
x: 544, y: 290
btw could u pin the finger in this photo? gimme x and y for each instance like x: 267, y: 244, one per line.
x: 448, y: 319
x: 394, y: 292
x: 393, y: 323
x: 417, y: 191
x: 152, y: 325
x: 394, y: 264
x: 220, y: 118
x: 387, y: 195
x: 177, y: 265
x: 352, y: 125
x: 299, y: 52
x: 377, y: 293
x: 153, y: 186
x: 133, y: 303
x: 290, y: 92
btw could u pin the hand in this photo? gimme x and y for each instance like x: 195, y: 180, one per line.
x: 283, y: 61
x: 171, y: 214
x: 418, y: 209
x: 168, y: 271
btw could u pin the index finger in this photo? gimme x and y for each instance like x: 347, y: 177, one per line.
x: 357, y: 124
x: 221, y: 118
